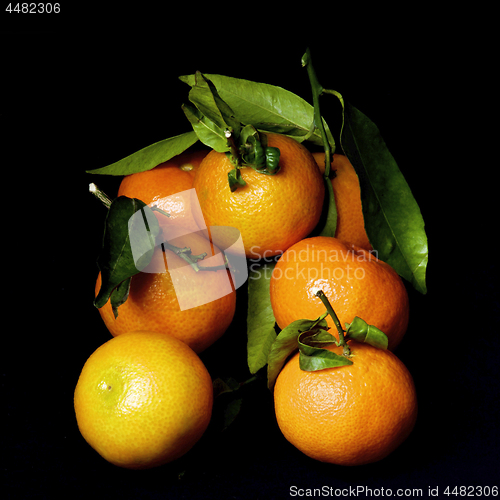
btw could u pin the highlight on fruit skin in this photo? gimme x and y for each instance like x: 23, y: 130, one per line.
x: 143, y: 399
x: 354, y: 280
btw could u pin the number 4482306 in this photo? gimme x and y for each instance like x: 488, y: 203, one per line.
x: 33, y: 8
x: 471, y: 491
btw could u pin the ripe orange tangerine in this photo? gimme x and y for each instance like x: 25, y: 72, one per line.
x: 165, y: 186
x: 347, y: 415
x: 271, y: 211
x: 170, y: 297
x: 355, y: 282
x: 143, y: 399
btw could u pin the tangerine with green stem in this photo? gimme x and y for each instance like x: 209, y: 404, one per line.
x: 347, y: 415
x: 354, y: 280
x: 271, y: 211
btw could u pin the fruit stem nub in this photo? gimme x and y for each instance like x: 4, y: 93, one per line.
x: 100, y: 195
x: 342, y: 342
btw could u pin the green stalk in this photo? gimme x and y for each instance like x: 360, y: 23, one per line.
x: 342, y: 342
x: 317, y: 91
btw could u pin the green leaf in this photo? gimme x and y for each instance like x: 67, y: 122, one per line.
x: 260, y: 318
x: 206, y: 130
x: 317, y: 338
x: 393, y: 220
x: 361, y: 331
x: 150, y: 156
x: 204, y: 96
x: 267, y: 107
x: 314, y: 357
x: 116, y: 261
x: 227, y: 402
x: 120, y: 295
x: 235, y: 179
x: 286, y: 343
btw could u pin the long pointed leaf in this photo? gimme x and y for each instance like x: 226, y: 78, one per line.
x: 150, y: 156
x: 260, y: 317
x: 393, y: 220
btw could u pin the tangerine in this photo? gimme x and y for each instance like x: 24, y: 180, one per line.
x: 271, y: 212
x: 347, y: 415
x: 345, y: 184
x: 143, y: 399
x: 170, y: 297
x: 166, y: 186
x: 354, y: 280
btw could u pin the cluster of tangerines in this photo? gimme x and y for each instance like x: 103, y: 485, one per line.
x: 144, y: 398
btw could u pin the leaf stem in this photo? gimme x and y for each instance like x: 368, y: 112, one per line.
x: 100, y: 195
x: 333, y: 315
x: 154, y: 208
x: 317, y: 91
x: 192, y: 260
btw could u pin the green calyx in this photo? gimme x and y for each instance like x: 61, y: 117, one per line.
x: 253, y: 152
x: 311, y: 337
x: 218, y: 127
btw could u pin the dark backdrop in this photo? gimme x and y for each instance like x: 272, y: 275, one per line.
x: 73, y: 103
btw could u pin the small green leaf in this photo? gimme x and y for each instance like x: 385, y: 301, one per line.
x: 286, y: 343
x: 119, y: 295
x: 223, y: 386
x: 254, y: 154
x: 361, y: 331
x: 206, y: 130
x: 227, y: 402
x: 260, y: 318
x: 116, y: 261
x: 317, y: 338
x: 235, y: 179
x: 314, y: 357
x: 150, y: 156
x: 272, y: 160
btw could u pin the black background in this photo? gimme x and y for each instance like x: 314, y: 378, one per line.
x: 73, y: 102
